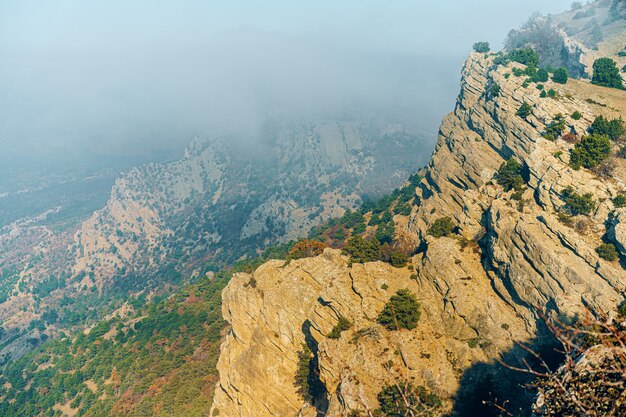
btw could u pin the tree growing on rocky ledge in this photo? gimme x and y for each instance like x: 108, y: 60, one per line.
x: 362, y: 250
x: 343, y: 324
x: 555, y: 128
x: 441, y: 227
x: 560, y: 76
x: 576, y: 204
x: 403, y: 399
x: 525, y: 110
x: 509, y: 175
x: 401, y: 312
x: 590, y: 151
x: 482, y: 47
x: 606, y: 74
x: 603, y: 126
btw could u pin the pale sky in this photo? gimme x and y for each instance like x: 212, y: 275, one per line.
x: 155, y: 73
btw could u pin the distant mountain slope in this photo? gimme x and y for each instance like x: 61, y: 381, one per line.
x: 487, y: 235
x: 164, y: 223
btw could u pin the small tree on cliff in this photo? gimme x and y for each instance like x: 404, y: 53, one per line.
x: 560, y: 76
x: 401, y: 312
x: 606, y: 74
x: 362, y: 250
x: 525, y: 110
x: 509, y: 176
x: 590, y: 151
x: 482, y: 47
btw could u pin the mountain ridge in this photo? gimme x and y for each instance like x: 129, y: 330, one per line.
x: 516, y: 252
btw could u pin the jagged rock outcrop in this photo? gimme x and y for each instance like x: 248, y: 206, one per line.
x: 477, y: 297
x: 528, y: 251
x: 280, y: 307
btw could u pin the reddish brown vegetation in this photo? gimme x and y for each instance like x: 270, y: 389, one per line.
x: 306, y: 249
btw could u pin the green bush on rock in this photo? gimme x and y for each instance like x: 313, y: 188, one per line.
x: 442, y: 227
x: 607, y: 251
x: 401, y: 312
x: 576, y: 204
x: 590, y: 151
x: 606, y: 74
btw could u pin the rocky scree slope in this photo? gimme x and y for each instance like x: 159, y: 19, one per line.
x: 479, y: 290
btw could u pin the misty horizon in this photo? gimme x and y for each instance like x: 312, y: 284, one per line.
x: 116, y: 78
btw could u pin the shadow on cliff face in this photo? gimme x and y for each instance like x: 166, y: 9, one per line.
x: 485, y: 384
x: 317, y: 389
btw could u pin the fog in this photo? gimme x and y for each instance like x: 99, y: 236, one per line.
x: 131, y: 77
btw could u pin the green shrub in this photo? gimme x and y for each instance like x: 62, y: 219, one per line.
x: 576, y: 204
x: 482, y: 47
x: 560, y: 76
x: 590, y: 151
x: 552, y: 93
x: 606, y: 74
x: 525, y: 110
x: 501, y: 59
x: 398, y: 259
x: 362, y: 250
x: 607, y: 251
x: 509, y: 175
x: 518, y: 72
x: 494, y: 90
x: 622, y: 308
x: 541, y: 76
x: 342, y: 325
x: 611, y: 128
x: 577, y: 115
x: 620, y: 201
x: 441, y: 227
x: 302, y: 380
x: 543, y: 94
x: 531, y: 72
x: 401, y: 400
x: 401, y: 312
x: 555, y: 128
x: 566, y: 219
x: 527, y: 57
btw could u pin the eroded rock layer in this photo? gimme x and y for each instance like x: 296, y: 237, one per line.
x: 513, y: 256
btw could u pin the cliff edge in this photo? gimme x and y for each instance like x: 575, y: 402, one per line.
x: 480, y: 290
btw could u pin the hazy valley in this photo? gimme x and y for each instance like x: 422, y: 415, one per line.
x: 337, y: 265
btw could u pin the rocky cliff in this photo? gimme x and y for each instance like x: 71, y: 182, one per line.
x: 480, y: 291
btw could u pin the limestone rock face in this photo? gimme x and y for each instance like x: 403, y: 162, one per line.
x: 479, y: 291
x: 484, y: 294
x: 279, y: 307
